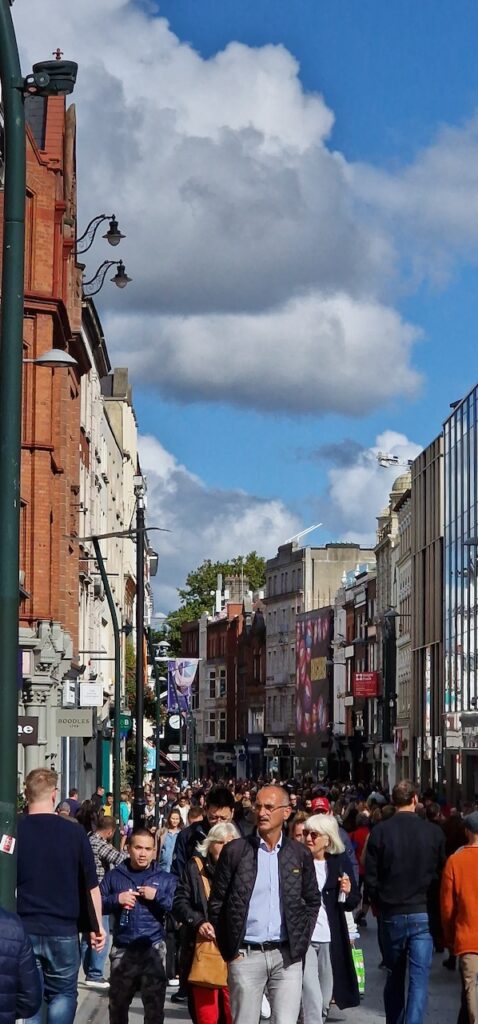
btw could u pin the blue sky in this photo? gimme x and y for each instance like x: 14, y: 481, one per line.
x: 303, y: 243
x: 393, y: 74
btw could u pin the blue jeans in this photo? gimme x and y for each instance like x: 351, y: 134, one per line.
x: 93, y: 962
x: 58, y: 962
x: 406, y: 942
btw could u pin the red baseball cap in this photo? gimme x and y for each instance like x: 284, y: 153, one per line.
x: 320, y: 803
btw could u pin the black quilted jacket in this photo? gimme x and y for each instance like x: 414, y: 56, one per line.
x: 20, y: 991
x: 232, y: 888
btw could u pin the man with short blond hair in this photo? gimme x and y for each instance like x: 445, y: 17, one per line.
x: 56, y: 868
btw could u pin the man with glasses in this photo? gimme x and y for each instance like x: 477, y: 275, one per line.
x: 219, y: 807
x: 264, y: 905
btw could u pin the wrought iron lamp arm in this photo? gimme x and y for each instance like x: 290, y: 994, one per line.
x: 95, y: 284
x: 87, y: 238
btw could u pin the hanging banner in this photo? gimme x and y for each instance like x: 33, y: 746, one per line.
x: 313, y: 680
x: 181, y: 676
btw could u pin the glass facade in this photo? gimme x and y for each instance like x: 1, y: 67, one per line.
x: 461, y: 553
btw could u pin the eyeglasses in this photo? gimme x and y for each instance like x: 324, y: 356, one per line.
x: 213, y: 818
x: 268, y: 807
x: 313, y: 835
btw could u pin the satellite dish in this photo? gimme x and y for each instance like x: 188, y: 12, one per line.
x: 175, y: 722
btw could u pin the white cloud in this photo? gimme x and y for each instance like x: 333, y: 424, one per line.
x: 245, y: 240
x: 433, y: 202
x: 313, y: 355
x: 358, y: 492
x: 205, y: 522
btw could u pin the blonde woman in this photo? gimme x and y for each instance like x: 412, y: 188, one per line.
x: 207, y: 1005
x: 329, y: 969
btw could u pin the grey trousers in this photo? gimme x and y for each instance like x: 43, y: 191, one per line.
x: 318, y: 983
x: 469, y: 976
x: 248, y: 976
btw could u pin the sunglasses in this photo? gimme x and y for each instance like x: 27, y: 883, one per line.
x: 313, y: 835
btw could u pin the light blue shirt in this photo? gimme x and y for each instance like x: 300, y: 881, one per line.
x: 265, y: 920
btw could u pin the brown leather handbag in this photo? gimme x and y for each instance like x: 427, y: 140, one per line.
x: 208, y: 969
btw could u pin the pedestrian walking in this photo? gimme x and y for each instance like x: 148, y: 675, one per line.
x: 106, y: 857
x: 137, y: 893
x: 329, y: 970
x: 219, y: 806
x: 404, y: 855
x: 20, y: 987
x: 56, y: 876
x: 263, y: 906
x: 167, y: 842
x: 167, y: 839
x: 208, y: 993
x: 459, y: 913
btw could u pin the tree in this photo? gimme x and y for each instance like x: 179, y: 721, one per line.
x: 197, y: 596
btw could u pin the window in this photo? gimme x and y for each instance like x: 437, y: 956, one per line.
x: 222, y: 682
x: 212, y: 684
x: 211, y: 725
x: 222, y: 725
x: 256, y: 720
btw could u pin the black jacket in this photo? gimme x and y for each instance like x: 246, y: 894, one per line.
x: 346, y: 991
x: 190, y: 908
x: 404, y: 855
x: 20, y: 989
x: 185, y: 845
x: 232, y: 888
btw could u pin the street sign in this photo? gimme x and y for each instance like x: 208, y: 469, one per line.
x: 74, y: 723
x: 27, y: 731
x: 125, y: 722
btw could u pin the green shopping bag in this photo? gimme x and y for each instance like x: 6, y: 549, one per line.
x: 357, y: 957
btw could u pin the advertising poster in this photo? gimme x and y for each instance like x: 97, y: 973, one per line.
x: 181, y: 676
x: 313, y: 651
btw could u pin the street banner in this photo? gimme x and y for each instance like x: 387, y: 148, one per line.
x: 181, y: 676
x: 313, y: 681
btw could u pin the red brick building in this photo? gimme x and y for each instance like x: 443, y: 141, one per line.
x: 50, y: 423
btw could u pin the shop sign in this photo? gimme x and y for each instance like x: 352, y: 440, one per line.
x: 365, y: 684
x: 91, y: 695
x: 74, y: 723
x: 28, y: 731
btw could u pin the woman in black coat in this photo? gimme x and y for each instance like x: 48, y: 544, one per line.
x: 191, y: 909
x: 329, y: 970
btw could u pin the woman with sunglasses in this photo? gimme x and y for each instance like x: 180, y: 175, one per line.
x: 329, y: 969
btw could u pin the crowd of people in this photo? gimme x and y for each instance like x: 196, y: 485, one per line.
x: 246, y: 898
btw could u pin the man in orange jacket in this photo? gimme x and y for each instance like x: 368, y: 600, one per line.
x: 459, y: 909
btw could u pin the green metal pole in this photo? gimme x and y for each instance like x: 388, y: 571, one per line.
x: 117, y: 711
x: 11, y: 337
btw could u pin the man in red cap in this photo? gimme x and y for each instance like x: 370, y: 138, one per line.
x: 321, y: 805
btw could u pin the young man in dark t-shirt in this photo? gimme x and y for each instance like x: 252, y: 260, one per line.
x: 55, y: 867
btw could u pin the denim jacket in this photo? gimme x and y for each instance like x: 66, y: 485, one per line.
x: 144, y: 924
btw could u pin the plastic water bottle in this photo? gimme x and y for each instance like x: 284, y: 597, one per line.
x: 343, y: 895
x: 124, y: 916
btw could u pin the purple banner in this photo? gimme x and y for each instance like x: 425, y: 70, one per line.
x: 181, y: 676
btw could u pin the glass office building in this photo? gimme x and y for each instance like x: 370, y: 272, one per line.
x: 460, y: 595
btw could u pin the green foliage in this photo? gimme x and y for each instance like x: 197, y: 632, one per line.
x: 197, y: 596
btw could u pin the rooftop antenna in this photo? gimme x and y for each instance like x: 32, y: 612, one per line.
x: 303, y: 533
